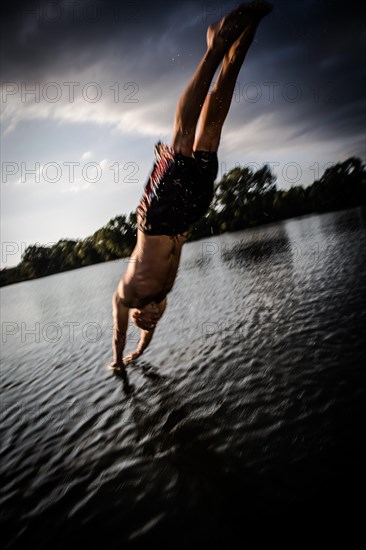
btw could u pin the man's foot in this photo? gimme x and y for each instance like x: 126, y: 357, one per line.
x: 222, y: 34
x: 262, y: 7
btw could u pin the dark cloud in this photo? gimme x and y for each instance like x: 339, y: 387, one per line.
x: 47, y: 35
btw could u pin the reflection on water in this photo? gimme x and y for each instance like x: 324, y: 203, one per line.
x: 247, y: 407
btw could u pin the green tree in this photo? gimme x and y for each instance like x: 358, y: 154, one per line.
x: 114, y: 240
x: 86, y: 252
x: 290, y: 203
x: 36, y: 261
x: 341, y: 186
x: 63, y: 256
x: 243, y: 196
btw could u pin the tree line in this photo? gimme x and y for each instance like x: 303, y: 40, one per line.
x: 243, y: 198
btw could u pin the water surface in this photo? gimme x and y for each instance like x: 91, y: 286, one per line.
x: 247, y: 407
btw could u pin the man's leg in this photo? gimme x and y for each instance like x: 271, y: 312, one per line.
x: 219, y: 39
x: 217, y: 103
x: 191, y: 102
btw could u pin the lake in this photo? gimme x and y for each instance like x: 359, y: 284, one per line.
x: 247, y: 410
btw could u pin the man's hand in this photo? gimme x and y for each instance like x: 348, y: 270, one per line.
x: 115, y: 365
x: 145, y: 339
x: 128, y: 358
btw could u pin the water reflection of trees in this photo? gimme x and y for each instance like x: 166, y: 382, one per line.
x: 265, y: 260
x: 261, y: 250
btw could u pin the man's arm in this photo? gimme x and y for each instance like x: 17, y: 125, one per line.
x: 120, y: 324
x: 145, y: 339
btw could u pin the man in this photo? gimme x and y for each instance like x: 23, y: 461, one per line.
x: 181, y: 185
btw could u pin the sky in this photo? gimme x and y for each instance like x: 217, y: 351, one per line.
x: 89, y: 86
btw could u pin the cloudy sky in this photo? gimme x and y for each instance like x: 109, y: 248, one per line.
x: 89, y: 86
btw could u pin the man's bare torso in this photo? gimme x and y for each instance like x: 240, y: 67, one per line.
x: 152, y: 269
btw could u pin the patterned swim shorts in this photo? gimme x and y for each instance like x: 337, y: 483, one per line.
x: 178, y: 192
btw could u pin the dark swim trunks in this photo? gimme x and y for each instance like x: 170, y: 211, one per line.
x: 178, y: 192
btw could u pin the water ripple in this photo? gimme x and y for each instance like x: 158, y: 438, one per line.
x: 248, y: 403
